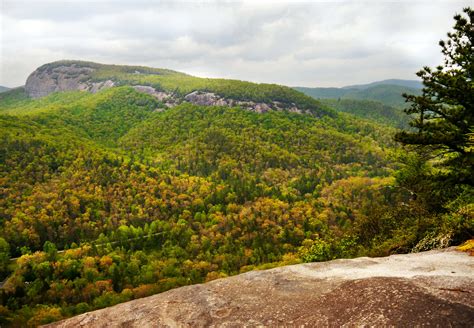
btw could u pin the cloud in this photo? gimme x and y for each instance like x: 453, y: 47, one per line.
x: 303, y: 43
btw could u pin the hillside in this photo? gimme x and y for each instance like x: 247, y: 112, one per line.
x: 426, y: 289
x: 3, y: 89
x: 120, y: 182
x: 371, y: 110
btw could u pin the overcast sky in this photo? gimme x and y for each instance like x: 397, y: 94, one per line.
x: 319, y: 43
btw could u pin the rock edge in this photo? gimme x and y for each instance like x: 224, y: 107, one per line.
x: 432, y: 288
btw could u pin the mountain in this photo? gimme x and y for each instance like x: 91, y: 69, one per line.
x: 120, y: 182
x: 3, y: 89
x: 424, y: 289
x: 388, y: 94
x: 167, y: 86
x: 414, y: 84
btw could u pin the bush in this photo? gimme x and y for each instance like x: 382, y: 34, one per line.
x: 315, y: 251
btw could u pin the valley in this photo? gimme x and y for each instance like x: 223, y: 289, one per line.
x: 120, y: 182
x: 236, y: 163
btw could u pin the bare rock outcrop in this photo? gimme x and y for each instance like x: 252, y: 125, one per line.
x: 211, y: 99
x: 205, y: 99
x: 433, y: 288
x: 46, y: 80
x: 169, y: 99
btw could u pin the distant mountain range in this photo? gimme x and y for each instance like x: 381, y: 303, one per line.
x: 388, y: 92
x: 3, y: 89
x: 415, y: 84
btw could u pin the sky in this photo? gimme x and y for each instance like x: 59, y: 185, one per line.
x: 297, y: 43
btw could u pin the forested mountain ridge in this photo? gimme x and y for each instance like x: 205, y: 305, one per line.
x: 371, y: 110
x: 380, y: 101
x: 168, y: 86
x: 119, y: 182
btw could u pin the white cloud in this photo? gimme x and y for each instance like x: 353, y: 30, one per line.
x: 304, y: 43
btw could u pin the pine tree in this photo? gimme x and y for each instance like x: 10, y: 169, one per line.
x: 443, y: 115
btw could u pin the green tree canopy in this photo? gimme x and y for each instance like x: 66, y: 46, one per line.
x: 4, y: 257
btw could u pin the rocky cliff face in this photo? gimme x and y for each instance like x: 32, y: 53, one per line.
x: 425, y: 289
x: 211, y: 99
x: 46, y: 80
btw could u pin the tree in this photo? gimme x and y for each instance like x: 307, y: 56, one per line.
x: 4, y: 257
x: 50, y: 249
x: 444, y: 112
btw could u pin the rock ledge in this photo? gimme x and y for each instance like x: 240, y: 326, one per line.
x: 433, y: 288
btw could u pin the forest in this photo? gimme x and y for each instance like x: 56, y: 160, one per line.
x: 110, y: 196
